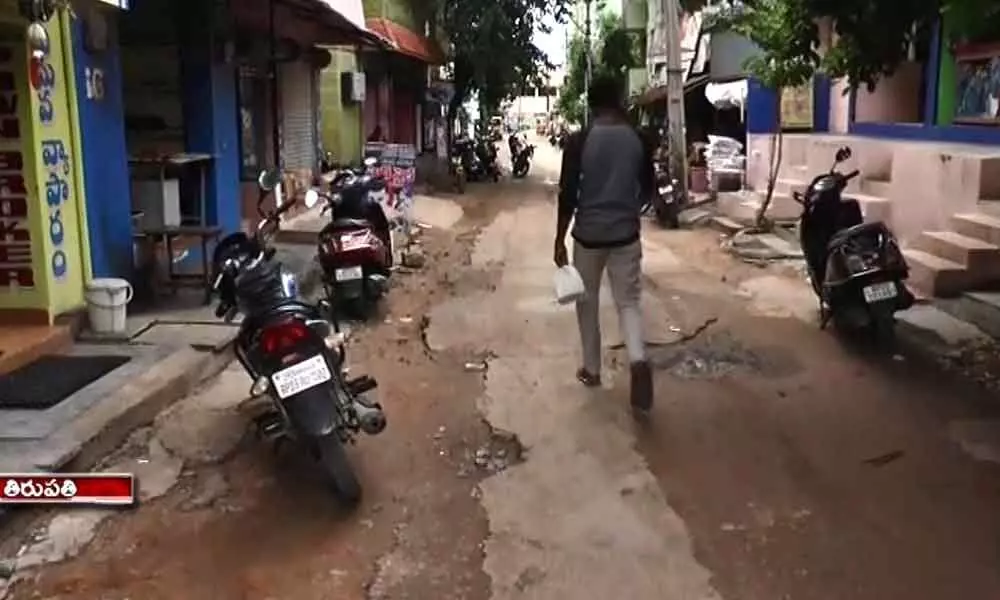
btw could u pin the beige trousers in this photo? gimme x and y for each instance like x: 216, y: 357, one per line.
x: 624, y: 266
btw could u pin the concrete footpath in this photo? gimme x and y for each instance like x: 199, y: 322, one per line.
x: 170, y: 352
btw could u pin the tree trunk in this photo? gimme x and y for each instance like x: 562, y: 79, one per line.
x: 774, y: 168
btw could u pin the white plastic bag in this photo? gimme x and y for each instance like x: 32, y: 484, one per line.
x: 568, y: 284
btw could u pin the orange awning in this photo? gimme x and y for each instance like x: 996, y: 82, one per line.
x: 407, y: 42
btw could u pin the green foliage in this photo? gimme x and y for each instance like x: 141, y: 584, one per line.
x: 872, y: 38
x: 616, y: 51
x: 492, y: 48
x: 973, y: 20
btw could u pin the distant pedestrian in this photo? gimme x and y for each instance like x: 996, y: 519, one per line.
x: 607, y: 173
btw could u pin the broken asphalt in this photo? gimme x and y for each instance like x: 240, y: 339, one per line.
x: 777, y: 463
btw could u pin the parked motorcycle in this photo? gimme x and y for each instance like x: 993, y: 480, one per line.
x: 520, y: 156
x: 457, y: 170
x: 355, y: 248
x: 478, y: 158
x: 294, y: 352
x: 857, y: 269
x: 668, y: 201
x: 486, y: 151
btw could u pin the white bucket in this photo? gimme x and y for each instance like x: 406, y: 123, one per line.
x: 106, y: 304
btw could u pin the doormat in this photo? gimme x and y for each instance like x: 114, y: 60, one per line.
x: 52, y: 379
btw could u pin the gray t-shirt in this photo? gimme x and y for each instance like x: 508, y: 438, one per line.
x: 607, y: 173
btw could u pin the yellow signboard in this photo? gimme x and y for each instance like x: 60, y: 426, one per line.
x: 57, y: 189
x: 42, y: 257
x: 797, y: 107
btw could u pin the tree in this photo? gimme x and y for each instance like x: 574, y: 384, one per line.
x: 492, y: 47
x: 616, y: 52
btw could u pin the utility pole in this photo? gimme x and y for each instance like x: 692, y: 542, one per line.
x: 675, y: 94
x: 588, y: 72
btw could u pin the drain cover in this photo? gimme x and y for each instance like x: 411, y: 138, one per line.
x: 51, y: 379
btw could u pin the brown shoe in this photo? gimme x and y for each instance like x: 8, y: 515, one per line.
x: 642, y: 387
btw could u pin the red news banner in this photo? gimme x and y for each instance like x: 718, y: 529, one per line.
x: 101, y: 489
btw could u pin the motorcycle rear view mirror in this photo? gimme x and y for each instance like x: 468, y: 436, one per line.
x: 311, y: 199
x: 268, y: 179
x: 843, y: 154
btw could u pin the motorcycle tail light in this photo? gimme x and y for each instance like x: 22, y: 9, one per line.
x: 855, y: 264
x: 279, y: 338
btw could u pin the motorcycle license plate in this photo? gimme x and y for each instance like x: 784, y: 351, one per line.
x: 300, y: 377
x: 877, y: 292
x: 349, y: 274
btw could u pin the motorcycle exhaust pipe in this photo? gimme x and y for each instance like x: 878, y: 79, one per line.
x: 371, y: 418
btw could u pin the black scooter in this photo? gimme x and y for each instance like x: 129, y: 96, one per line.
x: 294, y: 352
x: 857, y: 269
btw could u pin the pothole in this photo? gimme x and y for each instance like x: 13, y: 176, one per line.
x: 719, y: 355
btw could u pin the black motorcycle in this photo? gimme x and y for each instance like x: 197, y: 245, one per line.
x: 478, y: 159
x: 856, y: 269
x: 667, y: 201
x: 520, y: 156
x: 294, y: 351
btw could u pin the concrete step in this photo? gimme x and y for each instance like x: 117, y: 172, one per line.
x: 980, y: 258
x: 798, y: 171
x: 977, y: 225
x: 982, y: 309
x: 876, y: 187
x: 743, y: 207
x: 874, y: 208
x: 787, y: 185
x: 935, y: 276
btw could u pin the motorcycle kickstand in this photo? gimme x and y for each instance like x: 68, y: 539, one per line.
x: 825, y: 315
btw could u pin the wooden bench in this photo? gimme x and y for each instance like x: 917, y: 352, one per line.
x: 167, y: 236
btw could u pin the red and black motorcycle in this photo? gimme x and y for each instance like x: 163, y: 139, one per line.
x: 293, y: 351
x: 355, y: 248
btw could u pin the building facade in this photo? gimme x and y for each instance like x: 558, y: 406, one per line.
x: 928, y: 148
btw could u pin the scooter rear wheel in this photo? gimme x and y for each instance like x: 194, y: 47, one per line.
x: 337, y: 466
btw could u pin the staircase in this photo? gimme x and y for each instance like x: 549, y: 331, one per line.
x: 874, y: 204
x: 948, y: 263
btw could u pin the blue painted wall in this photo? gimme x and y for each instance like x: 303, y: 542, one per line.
x: 105, y: 158
x: 210, y: 111
x: 762, y: 108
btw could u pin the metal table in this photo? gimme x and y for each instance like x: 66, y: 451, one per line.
x: 181, y: 160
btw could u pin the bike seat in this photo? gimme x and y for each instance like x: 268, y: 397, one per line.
x: 348, y: 223
x: 843, y: 235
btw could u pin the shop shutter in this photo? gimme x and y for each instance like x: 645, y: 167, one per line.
x: 298, y: 116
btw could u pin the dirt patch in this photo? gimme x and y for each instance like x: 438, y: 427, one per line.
x: 261, y: 524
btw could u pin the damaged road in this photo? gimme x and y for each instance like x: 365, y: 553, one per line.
x: 776, y: 463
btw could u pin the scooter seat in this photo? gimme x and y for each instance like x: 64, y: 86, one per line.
x: 350, y: 223
x: 861, y: 228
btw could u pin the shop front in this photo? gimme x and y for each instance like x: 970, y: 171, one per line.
x: 279, y: 62
x: 44, y: 257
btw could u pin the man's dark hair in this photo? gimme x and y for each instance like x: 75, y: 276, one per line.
x: 605, y: 93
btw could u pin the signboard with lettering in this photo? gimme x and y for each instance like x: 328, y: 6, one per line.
x: 55, y: 172
x: 17, y: 272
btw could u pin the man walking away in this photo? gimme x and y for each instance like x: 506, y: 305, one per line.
x: 607, y: 173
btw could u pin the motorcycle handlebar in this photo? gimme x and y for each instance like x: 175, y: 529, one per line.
x: 851, y: 175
